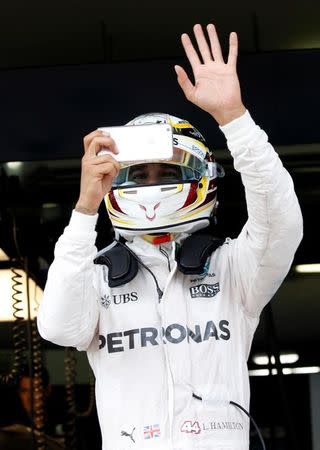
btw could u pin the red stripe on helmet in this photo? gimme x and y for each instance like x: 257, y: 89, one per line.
x: 114, y: 202
x: 192, y: 195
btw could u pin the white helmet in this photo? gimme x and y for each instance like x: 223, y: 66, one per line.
x: 175, y: 203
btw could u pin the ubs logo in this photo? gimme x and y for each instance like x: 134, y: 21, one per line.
x: 118, y: 299
x: 204, y: 290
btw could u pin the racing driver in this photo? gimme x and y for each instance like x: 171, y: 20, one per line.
x: 167, y: 312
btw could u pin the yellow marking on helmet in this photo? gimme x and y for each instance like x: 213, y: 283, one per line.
x: 114, y: 211
x: 117, y: 220
x: 202, y: 191
x: 193, y: 209
x: 178, y: 188
x: 182, y: 125
x: 199, y: 210
x: 122, y: 222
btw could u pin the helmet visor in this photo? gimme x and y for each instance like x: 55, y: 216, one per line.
x: 182, y: 168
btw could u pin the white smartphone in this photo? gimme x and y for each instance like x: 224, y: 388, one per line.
x: 141, y: 142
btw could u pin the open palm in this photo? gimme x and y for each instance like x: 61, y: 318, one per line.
x: 216, y: 88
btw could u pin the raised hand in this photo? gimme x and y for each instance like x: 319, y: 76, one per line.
x: 216, y: 87
x: 97, y: 172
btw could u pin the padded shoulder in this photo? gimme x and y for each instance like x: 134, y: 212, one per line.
x: 191, y: 258
x: 195, y: 251
x: 123, y: 267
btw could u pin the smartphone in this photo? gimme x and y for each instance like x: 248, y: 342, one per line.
x: 143, y: 143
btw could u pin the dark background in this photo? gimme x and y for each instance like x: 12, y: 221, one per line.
x: 68, y: 67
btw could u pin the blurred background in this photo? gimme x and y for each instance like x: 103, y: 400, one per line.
x: 68, y: 67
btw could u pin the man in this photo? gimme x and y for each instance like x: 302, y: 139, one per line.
x: 167, y: 318
x: 32, y: 412
x: 34, y: 394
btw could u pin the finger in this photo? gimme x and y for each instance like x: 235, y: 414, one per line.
x: 110, y: 168
x: 233, y: 49
x: 184, y: 81
x: 101, y: 159
x: 192, y: 55
x: 101, y: 142
x: 88, y: 138
x: 202, y: 43
x: 214, y: 42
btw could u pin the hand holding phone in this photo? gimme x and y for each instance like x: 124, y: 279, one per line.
x: 97, y: 173
x: 140, y: 143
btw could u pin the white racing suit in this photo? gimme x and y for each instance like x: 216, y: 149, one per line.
x: 166, y: 370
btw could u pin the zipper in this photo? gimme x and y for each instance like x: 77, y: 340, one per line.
x: 161, y: 294
x: 169, y: 372
x: 163, y: 251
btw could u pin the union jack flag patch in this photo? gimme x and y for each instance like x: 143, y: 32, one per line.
x: 151, y: 431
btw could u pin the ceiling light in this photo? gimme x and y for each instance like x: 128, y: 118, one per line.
x: 259, y: 373
x: 308, y: 268
x: 285, y: 358
x: 14, y: 286
x: 285, y: 371
x: 14, y: 165
x: 301, y: 370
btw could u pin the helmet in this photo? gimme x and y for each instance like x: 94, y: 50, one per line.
x: 181, y: 201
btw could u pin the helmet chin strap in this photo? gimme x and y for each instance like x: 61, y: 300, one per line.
x: 157, y: 239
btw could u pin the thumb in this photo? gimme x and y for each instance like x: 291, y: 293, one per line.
x: 184, y: 82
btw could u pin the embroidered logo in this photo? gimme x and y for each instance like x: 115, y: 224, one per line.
x: 190, y: 426
x: 151, y: 431
x: 202, y: 277
x: 119, y: 299
x: 204, y: 290
x: 195, y: 427
x: 130, y: 435
x: 105, y: 301
x: 175, y: 333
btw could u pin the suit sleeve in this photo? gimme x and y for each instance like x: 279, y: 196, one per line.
x: 262, y: 254
x: 69, y: 311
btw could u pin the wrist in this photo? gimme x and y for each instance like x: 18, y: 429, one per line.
x: 225, y: 117
x: 86, y: 209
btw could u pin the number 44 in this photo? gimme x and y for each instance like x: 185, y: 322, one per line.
x: 190, y: 427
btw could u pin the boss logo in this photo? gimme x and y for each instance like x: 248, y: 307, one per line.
x: 204, y: 290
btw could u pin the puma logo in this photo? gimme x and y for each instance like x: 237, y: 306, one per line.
x: 130, y: 435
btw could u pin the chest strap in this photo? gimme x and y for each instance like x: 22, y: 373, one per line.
x: 191, y: 258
